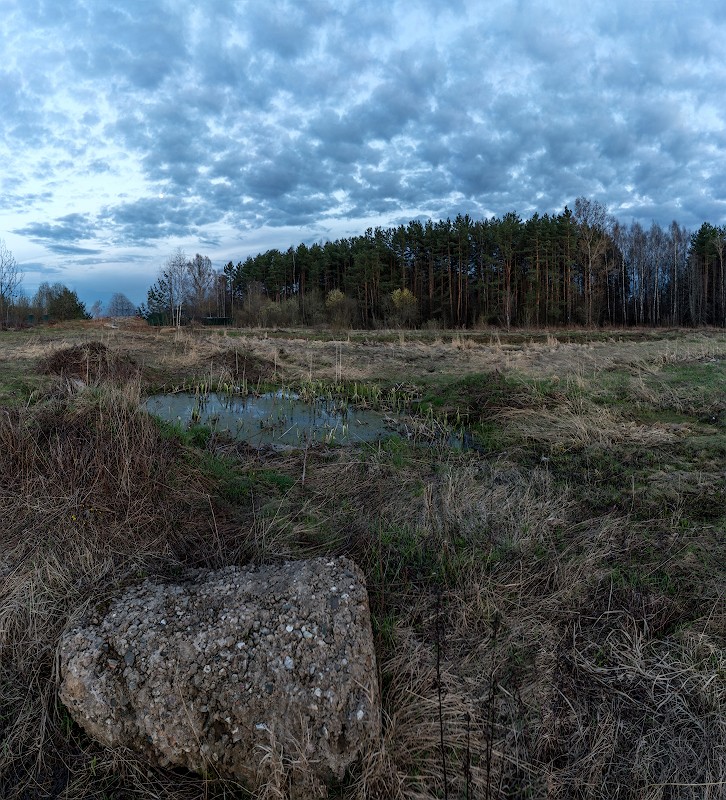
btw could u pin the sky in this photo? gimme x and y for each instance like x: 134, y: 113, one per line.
x: 129, y: 128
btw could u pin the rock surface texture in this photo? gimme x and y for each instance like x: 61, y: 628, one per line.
x: 264, y: 674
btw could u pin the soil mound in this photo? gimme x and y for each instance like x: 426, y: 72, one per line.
x: 91, y: 362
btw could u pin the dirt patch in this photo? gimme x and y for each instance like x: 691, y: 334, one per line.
x: 91, y: 362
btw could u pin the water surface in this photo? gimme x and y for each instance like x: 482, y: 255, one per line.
x: 274, y: 418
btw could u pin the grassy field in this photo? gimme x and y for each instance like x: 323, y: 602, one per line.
x: 549, y: 605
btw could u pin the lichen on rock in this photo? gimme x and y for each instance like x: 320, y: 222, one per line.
x: 258, y: 673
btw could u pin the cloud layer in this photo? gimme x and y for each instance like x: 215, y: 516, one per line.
x: 130, y: 127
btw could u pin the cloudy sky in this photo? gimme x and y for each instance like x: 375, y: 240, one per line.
x: 131, y: 127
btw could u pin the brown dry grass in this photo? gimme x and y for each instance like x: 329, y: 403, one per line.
x: 558, y: 645
x: 91, y: 496
x: 176, y: 354
x: 557, y: 680
x: 90, y: 362
x: 578, y: 424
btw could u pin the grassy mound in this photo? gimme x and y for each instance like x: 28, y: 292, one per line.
x: 91, y: 496
x: 90, y: 362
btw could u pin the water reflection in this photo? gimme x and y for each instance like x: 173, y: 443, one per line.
x: 274, y: 418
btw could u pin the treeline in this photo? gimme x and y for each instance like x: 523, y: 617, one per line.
x: 51, y: 303
x: 54, y: 302
x: 579, y: 267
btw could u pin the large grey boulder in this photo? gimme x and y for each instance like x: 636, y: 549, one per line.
x: 263, y: 674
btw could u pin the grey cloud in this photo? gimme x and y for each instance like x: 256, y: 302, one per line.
x: 280, y: 28
x: 227, y: 164
x: 225, y: 67
x: 37, y: 268
x: 33, y: 132
x: 99, y: 166
x: 69, y: 228
x: 617, y: 142
x: 18, y: 201
x: 60, y: 236
x: 11, y: 96
x: 210, y: 241
x: 253, y: 114
x: 140, y: 43
x: 176, y: 152
x: 116, y: 258
x: 384, y: 210
x: 346, y: 155
x: 387, y: 113
x: 46, y: 13
x: 273, y: 177
x: 71, y: 249
x: 385, y: 183
x: 224, y: 197
x: 151, y: 219
x: 330, y: 126
x: 432, y: 150
x: 278, y: 217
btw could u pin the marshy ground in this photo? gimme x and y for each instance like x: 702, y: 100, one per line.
x: 549, y: 604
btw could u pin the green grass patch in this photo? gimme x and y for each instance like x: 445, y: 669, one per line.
x: 489, y: 437
x: 706, y: 447
x: 229, y: 478
x: 694, y: 388
x: 641, y: 579
x: 21, y: 384
x: 705, y: 375
x: 611, y: 388
x: 238, y: 485
x: 481, y: 397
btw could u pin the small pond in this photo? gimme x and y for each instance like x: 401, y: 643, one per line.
x: 274, y: 418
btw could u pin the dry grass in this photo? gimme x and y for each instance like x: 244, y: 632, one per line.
x: 90, y: 362
x: 557, y: 681
x: 173, y: 354
x: 91, y: 496
x: 576, y: 425
x: 532, y: 642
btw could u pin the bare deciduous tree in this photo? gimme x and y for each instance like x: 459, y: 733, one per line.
x: 176, y: 273
x: 201, y: 276
x: 120, y: 306
x: 591, y: 218
x: 10, y: 279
